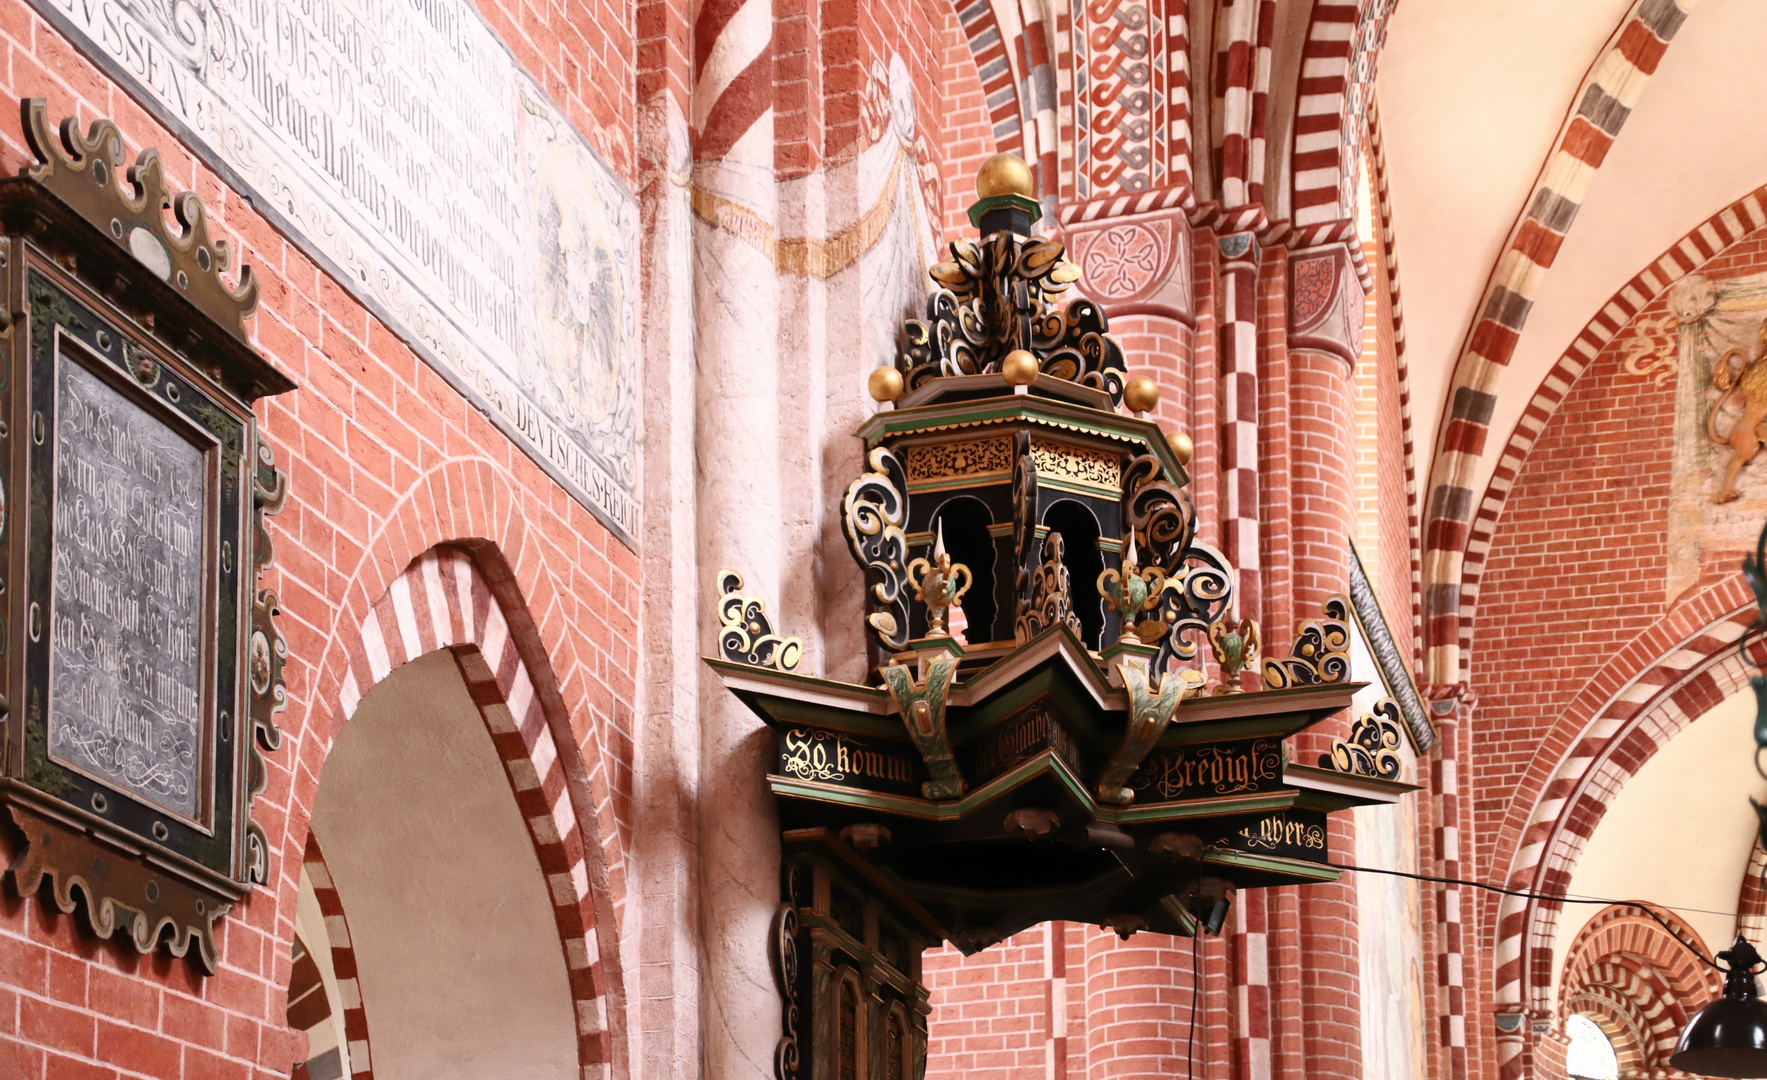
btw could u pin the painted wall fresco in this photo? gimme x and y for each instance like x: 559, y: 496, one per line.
x: 400, y: 145
x: 1719, y: 493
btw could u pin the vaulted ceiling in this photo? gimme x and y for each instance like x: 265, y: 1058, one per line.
x: 1473, y: 97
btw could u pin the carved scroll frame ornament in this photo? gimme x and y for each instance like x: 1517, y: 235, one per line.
x: 872, y: 516
x: 1320, y: 654
x: 1198, y: 590
x: 745, y: 633
x: 1373, y: 746
x: 997, y: 295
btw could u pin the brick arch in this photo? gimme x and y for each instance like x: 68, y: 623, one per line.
x: 1602, y: 104
x: 443, y: 601
x: 1625, y: 967
x: 1335, y: 85
x: 1686, y: 680
x: 1703, y: 243
x: 470, y: 503
x: 996, y: 61
x: 343, y: 959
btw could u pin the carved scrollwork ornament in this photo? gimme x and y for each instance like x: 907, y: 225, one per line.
x: 997, y: 295
x: 1196, y: 597
x: 266, y: 654
x: 1373, y: 746
x: 1158, y: 513
x: 1320, y: 654
x: 745, y: 633
x: 784, y: 955
x: 1051, y: 602
x: 872, y: 515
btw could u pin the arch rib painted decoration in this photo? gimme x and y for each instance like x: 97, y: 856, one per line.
x: 140, y: 660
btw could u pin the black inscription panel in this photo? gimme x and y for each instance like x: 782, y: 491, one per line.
x: 830, y: 757
x: 1237, y: 767
x: 1290, y: 834
x: 1019, y: 737
x: 126, y: 600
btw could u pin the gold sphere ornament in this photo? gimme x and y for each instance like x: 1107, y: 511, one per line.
x: 1141, y: 394
x: 1182, y: 448
x: 1005, y: 174
x: 885, y: 384
x: 1019, y: 366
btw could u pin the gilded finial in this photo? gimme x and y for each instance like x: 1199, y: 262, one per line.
x: 1005, y: 174
x: 884, y: 385
x: 1182, y: 447
x: 939, y: 584
x: 1132, y: 591
x: 1235, y: 649
x: 1020, y: 367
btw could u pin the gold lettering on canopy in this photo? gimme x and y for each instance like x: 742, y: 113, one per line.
x: 1233, y: 768
x: 807, y: 754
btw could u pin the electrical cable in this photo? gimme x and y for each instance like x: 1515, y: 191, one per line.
x: 1641, y: 905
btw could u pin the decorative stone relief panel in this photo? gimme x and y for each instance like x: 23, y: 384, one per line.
x: 1326, y: 304
x: 1138, y: 264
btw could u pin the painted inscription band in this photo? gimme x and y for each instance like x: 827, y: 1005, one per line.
x: 831, y: 758
x: 1293, y: 834
x: 400, y: 146
x: 1245, y: 766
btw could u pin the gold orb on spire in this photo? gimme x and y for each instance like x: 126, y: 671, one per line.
x: 1005, y: 174
x: 1182, y: 448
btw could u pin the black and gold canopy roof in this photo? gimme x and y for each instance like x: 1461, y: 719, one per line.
x: 1055, y: 723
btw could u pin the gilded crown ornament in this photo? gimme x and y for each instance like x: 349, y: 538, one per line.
x: 940, y: 585
x: 1131, y: 591
x: 1235, y: 648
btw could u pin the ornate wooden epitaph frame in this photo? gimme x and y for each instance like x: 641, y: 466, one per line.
x: 139, y: 661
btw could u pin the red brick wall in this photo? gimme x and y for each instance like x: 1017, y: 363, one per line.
x: 991, y: 1014
x: 967, y: 136
x: 1576, y: 568
x: 385, y: 460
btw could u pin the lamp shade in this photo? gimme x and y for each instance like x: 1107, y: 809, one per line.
x: 1729, y: 1036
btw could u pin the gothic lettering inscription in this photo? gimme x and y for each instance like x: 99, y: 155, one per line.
x: 1245, y: 766
x: 126, y: 595
x: 832, y: 758
x: 1291, y: 834
x: 402, y: 147
x: 1022, y: 736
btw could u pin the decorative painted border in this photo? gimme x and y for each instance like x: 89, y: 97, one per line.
x: 1703, y: 243
x: 1603, y: 103
x: 343, y: 960
x: 442, y: 601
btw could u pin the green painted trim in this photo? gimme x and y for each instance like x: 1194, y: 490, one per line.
x: 1271, y: 864
x: 1044, y: 761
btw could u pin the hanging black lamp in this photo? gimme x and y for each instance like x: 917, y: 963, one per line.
x: 1729, y: 1036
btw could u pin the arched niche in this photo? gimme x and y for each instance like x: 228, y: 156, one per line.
x: 453, y: 929
x: 964, y: 522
